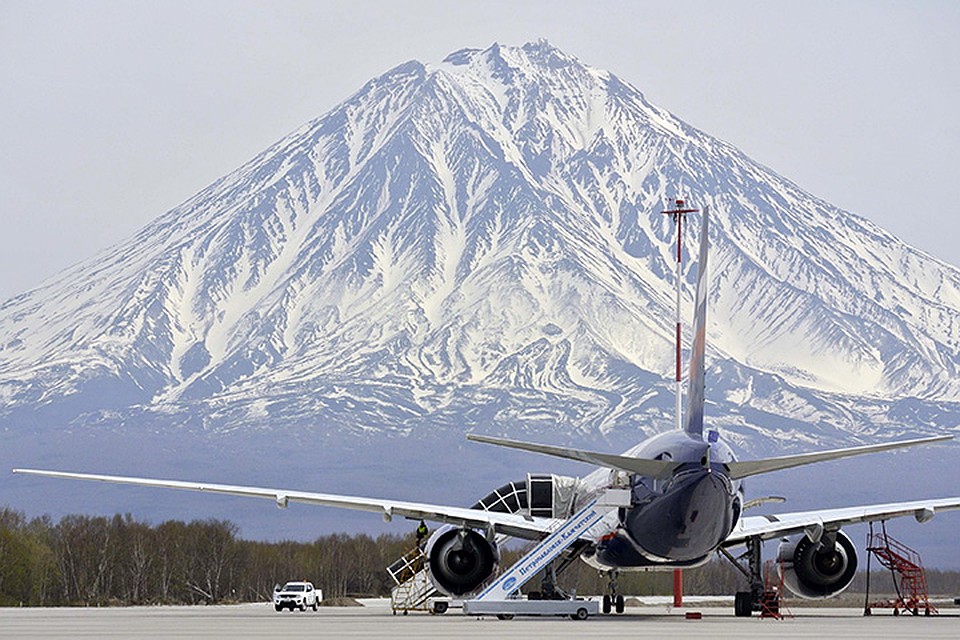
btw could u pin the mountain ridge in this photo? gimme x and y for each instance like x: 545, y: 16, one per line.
x: 489, y: 227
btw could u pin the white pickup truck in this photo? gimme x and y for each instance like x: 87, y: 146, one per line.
x: 297, y: 595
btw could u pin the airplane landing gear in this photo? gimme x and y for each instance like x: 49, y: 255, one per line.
x: 746, y: 602
x: 613, y: 599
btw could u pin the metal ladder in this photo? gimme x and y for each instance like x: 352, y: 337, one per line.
x: 412, y: 588
x: 904, y: 562
x: 771, y: 602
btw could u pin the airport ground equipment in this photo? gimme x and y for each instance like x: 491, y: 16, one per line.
x: 499, y: 598
x: 906, y: 568
x: 577, y: 609
x: 771, y: 602
x: 413, y: 589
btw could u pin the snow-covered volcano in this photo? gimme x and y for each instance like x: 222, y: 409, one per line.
x: 477, y: 244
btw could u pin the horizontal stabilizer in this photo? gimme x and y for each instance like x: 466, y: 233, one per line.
x: 748, y: 468
x: 641, y: 466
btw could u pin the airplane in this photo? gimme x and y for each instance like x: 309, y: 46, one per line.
x: 686, y: 505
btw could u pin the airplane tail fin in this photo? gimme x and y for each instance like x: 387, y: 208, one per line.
x: 695, y: 391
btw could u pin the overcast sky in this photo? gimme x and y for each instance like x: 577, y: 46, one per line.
x: 114, y: 112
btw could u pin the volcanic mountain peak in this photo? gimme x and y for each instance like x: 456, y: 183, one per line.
x: 485, y: 232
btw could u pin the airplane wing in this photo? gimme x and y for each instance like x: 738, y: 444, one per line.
x: 528, y: 527
x: 773, y: 526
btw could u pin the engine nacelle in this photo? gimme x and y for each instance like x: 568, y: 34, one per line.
x: 460, y: 561
x: 816, y: 569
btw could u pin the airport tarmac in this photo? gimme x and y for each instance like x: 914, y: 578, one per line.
x: 260, y: 621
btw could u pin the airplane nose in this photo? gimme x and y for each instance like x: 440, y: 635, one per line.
x: 686, y: 522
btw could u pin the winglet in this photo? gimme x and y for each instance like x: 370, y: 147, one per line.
x: 695, y: 391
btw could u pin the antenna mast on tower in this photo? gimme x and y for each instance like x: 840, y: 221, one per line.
x: 679, y: 214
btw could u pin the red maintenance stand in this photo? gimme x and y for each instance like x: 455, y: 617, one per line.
x: 906, y: 569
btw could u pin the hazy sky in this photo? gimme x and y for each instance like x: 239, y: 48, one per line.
x: 114, y: 112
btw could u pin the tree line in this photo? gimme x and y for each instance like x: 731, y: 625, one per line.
x: 95, y: 560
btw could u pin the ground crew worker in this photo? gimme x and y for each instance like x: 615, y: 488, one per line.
x: 421, y: 534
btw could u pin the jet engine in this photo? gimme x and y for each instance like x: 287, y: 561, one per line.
x: 817, y: 569
x: 460, y: 561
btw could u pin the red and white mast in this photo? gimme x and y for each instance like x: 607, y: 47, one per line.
x: 679, y: 214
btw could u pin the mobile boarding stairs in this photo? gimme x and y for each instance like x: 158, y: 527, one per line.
x: 414, y: 591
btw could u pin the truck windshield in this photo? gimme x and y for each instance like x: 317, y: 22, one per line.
x: 294, y: 587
